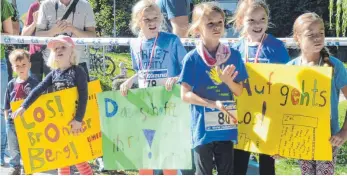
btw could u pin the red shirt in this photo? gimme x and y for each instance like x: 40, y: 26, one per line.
x: 30, y: 19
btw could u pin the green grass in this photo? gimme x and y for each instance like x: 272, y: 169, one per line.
x: 106, y: 82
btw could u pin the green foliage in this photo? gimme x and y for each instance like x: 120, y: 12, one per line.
x: 283, y: 14
x: 103, y: 10
x: 331, y: 12
x: 340, y: 16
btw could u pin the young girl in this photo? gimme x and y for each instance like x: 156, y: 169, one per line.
x: 309, y: 34
x: 251, y: 20
x: 65, y: 74
x: 156, y: 56
x: 211, y: 74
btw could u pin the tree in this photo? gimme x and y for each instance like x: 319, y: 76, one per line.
x: 103, y: 10
x: 283, y: 14
x: 341, y: 12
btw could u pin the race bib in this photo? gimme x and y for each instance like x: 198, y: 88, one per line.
x: 260, y: 60
x: 154, y: 78
x: 216, y: 120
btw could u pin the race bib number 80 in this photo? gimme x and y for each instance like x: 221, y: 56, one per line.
x: 217, y: 120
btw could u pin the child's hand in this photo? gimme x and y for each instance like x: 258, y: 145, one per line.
x: 125, y: 87
x: 170, y: 82
x: 339, y: 139
x: 20, y: 111
x: 220, y: 106
x: 76, y: 127
x: 228, y: 74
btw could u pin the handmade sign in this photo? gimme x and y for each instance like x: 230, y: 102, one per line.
x: 149, y: 128
x: 44, y: 136
x: 285, y: 110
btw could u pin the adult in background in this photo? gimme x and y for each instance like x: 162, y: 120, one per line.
x: 6, y: 29
x: 15, y: 31
x: 36, y: 51
x: 176, y: 16
x: 80, y: 23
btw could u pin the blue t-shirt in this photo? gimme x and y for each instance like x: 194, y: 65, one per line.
x: 166, y: 62
x: 206, y: 84
x: 171, y: 9
x: 272, y: 51
x: 338, y: 81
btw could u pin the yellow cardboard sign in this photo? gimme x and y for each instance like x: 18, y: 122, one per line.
x: 44, y: 136
x: 285, y: 110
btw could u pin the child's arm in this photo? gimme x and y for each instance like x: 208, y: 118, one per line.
x: 37, y: 91
x: 34, y: 94
x: 234, y: 75
x: 82, y: 89
x: 340, y: 138
x: 188, y: 96
x: 340, y: 75
x: 228, y: 76
x: 125, y: 86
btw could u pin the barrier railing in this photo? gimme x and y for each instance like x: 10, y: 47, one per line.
x: 6, y: 39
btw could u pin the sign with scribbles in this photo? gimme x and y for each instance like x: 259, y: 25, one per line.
x: 285, y: 110
x: 147, y: 129
x: 45, y: 140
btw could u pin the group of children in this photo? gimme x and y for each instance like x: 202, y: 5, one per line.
x: 209, y: 75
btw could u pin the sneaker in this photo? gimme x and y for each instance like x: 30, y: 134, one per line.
x: 14, y: 171
x: 2, y: 162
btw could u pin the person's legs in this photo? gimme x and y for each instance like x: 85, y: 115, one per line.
x: 4, y: 81
x: 203, y: 159
x: 3, y: 139
x: 13, y: 147
x: 188, y: 171
x: 242, y: 158
x: 84, y: 169
x: 327, y: 167
x: 9, y: 67
x: 224, y: 157
x: 146, y: 172
x: 170, y: 172
x: 308, y: 167
x: 64, y: 171
x: 266, y: 165
x: 37, y: 65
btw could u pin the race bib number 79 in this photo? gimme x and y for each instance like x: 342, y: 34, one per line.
x: 152, y: 78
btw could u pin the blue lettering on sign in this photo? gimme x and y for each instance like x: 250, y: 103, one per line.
x: 114, y: 105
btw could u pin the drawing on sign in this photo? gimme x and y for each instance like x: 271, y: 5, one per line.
x: 149, y: 134
x: 299, y: 135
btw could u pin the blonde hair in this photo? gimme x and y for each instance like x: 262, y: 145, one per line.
x: 305, y: 20
x: 137, y: 14
x: 200, y: 11
x: 51, y: 62
x: 19, y: 55
x: 242, y: 8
